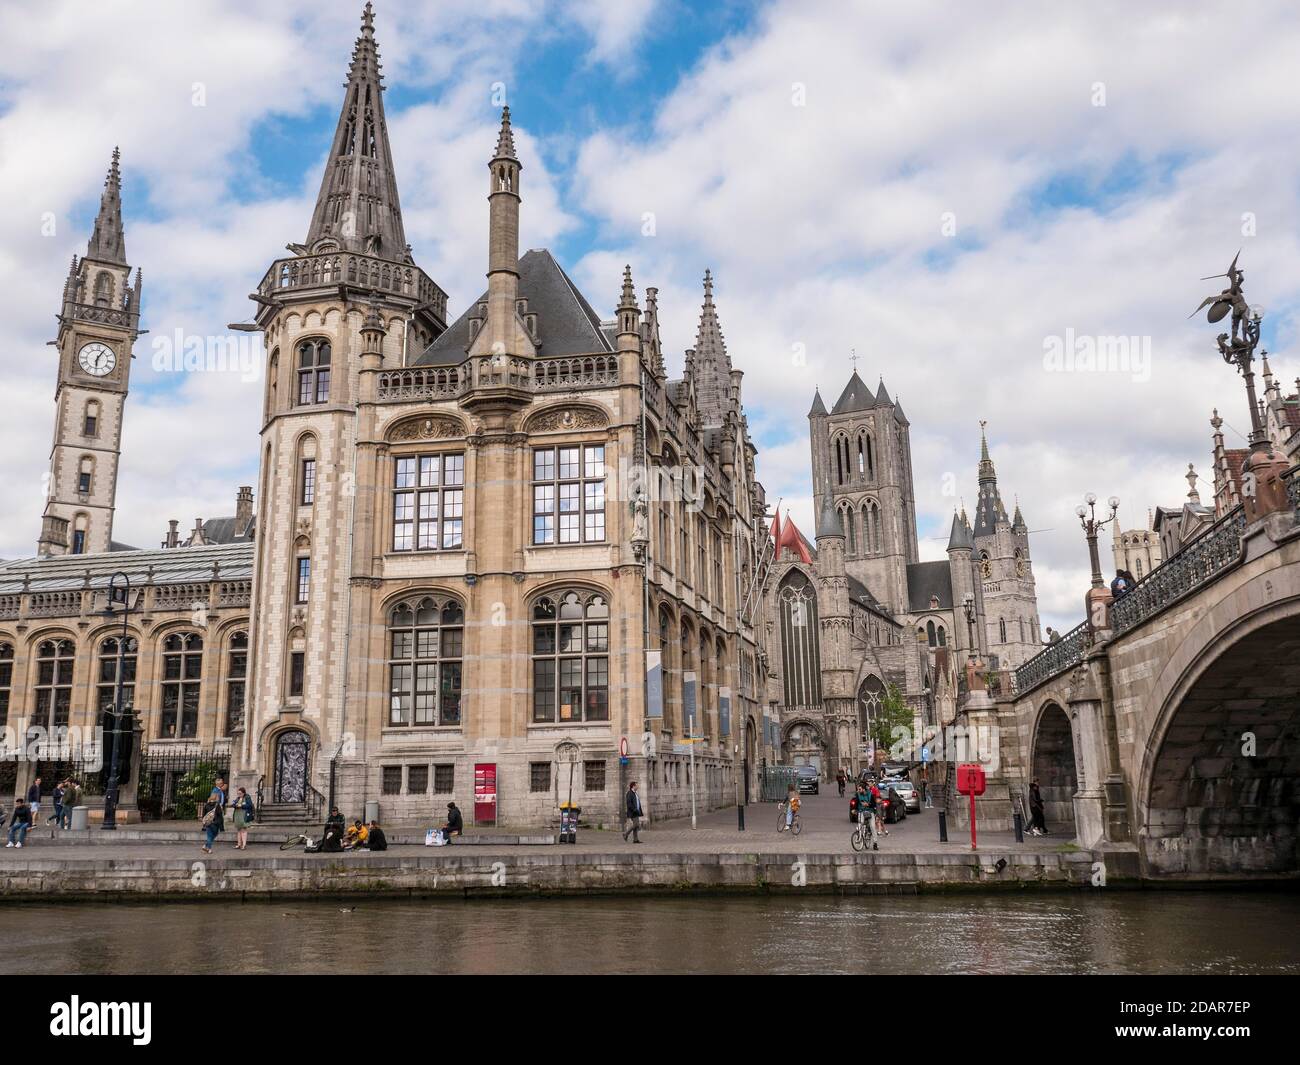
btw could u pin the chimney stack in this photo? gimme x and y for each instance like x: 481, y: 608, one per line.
x: 243, y: 510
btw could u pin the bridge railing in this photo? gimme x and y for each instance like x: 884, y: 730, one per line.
x: 1056, y: 658
x: 1199, y: 562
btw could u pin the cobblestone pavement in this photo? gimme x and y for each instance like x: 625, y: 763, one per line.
x: 825, y: 818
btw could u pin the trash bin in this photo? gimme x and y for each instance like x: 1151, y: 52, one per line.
x: 569, y: 822
x: 372, y: 810
x: 81, y: 817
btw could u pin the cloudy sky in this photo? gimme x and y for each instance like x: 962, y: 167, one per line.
x: 942, y: 188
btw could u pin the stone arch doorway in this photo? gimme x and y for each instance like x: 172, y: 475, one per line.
x: 804, y: 745
x: 1221, y: 792
x: 290, y: 770
x: 1054, y: 767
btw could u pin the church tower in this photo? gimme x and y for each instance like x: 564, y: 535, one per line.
x: 1001, y: 552
x: 347, y: 304
x: 98, y: 324
x: 862, y: 461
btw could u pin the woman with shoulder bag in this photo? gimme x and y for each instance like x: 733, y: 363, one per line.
x: 214, y: 818
x: 243, y: 807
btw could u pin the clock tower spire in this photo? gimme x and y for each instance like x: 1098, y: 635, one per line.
x: 98, y: 323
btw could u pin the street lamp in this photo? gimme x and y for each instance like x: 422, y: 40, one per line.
x: 117, y: 595
x: 1087, y: 512
x: 968, y: 603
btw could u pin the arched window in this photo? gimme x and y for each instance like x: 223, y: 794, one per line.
x: 90, y: 421
x: 800, y: 647
x: 104, y: 289
x: 871, y: 699
x: 272, y: 383
x: 85, y: 475
x: 6, y: 680
x: 106, y: 688
x: 931, y: 636
x: 426, y: 645
x: 182, y: 673
x: 871, y: 536
x: 571, y: 658
x: 54, y: 667
x: 862, y: 456
x: 942, y: 635
x: 1138, y: 572
x: 313, y: 371
x: 80, y: 530
x: 849, y: 528
x: 236, y: 681
x: 986, y: 566
x: 1002, y: 630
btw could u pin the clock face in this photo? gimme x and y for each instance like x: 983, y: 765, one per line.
x: 97, y: 359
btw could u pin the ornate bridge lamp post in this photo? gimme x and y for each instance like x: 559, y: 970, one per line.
x: 968, y: 604
x: 119, y: 602
x: 1098, y: 600
x: 1263, y: 487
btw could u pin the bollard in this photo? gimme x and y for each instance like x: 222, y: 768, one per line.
x: 943, y: 827
x: 1020, y: 827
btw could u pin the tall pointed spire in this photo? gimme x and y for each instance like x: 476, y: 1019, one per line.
x: 357, y: 205
x: 506, y: 138
x: 107, y: 242
x: 712, y: 364
x: 988, y: 509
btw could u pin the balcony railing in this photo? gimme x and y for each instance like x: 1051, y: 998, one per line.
x: 361, y: 271
x: 422, y: 383
x: 588, y: 371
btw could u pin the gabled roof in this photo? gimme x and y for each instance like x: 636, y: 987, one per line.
x: 566, y: 323
x: 856, y: 396
x: 226, y: 531
x: 926, y: 580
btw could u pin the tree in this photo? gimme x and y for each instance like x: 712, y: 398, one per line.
x: 891, y: 727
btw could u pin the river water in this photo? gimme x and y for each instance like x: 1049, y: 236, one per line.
x: 1120, y: 932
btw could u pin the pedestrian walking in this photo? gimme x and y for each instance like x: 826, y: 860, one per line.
x: 57, y: 816
x: 1037, y: 823
x: 214, y: 818
x: 839, y: 781
x: 34, y: 799
x: 21, y: 823
x: 71, y: 800
x: 243, y: 808
x: 633, y: 811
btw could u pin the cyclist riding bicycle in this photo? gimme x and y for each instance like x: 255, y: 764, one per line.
x: 791, y: 808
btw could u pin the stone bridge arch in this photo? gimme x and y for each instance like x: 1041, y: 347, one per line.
x: 1217, y: 780
x: 1055, y: 765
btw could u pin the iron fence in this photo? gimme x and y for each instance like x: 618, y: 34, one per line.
x: 175, y: 782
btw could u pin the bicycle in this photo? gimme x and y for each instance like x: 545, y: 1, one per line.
x: 300, y: 840
x: 861, y: 836
x: 795, y: 826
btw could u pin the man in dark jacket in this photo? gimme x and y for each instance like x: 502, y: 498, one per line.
x: 455, y: 825
x: 21, y: 823
x: 376, y: 840
x: 1037, y: 823
x: 632, y: 807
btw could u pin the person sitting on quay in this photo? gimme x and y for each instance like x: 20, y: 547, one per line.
x: 455, y: 825
x: 21, y: 823
x: 356, y: 836
x: 375, y: 838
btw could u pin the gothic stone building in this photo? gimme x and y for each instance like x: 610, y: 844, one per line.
x: 860, y: 611
x: 489, y: 555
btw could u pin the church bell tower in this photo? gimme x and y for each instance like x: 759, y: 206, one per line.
x: 98, y: 324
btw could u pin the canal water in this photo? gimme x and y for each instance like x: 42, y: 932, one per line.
x: 1119, y: 932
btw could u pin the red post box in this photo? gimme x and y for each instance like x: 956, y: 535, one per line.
x: 970, y: 781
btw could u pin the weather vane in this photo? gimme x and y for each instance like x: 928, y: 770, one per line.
x: 853, y: 358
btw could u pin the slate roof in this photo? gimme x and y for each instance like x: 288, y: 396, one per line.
x: 856, y: 396
x: 818, y: 407
x: 927, y: 579
x: 566, y: 323
x: 175, y: 565
x: 222, y: 530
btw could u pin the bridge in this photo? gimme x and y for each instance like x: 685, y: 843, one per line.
x: 1171, y: 727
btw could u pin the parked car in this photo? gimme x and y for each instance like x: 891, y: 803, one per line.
x: 808, y: 780
x: 909, y: 794
x: 893, y: 808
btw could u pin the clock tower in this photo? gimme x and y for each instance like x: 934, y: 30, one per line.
x: 98, y: 323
